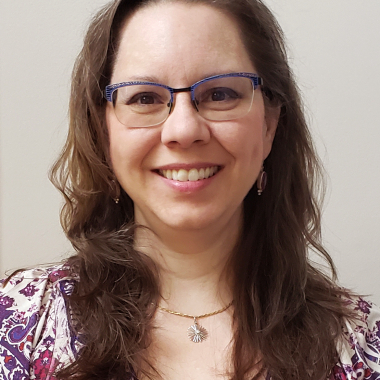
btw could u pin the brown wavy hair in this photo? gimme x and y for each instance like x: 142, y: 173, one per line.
x: 287, y: 313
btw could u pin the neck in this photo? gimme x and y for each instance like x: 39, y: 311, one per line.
x: 193, y: 266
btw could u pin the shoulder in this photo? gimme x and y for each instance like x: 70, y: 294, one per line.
x: 359, y: 349
x: 32, y: 306
x: 33, y: 282
x: 32, y: 290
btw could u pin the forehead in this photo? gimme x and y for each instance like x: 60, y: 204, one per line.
x: 179, y: 42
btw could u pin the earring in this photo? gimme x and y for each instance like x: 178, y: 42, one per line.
x: 116, y: 191
x: 261, y: 181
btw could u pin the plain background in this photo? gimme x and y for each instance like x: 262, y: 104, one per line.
x: 334, y: 50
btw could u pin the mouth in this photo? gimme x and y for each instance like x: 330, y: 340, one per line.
x: 192, y: 175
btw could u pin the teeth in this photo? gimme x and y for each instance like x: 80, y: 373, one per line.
x: 182, y: 175
x: 193, y: 175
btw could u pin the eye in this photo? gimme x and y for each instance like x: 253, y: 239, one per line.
x: 219, y: 94
x: 145, y: 98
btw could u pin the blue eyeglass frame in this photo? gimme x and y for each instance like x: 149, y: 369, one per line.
x: 111, y: 88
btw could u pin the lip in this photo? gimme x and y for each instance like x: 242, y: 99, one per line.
x: 196, y: 165
x: 187, y: 186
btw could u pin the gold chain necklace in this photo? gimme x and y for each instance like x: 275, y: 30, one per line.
x: 196, y: 332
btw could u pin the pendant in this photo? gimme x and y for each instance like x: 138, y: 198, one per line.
x: 197, y: 333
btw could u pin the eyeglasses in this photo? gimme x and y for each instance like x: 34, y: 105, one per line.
x: 217, y: 98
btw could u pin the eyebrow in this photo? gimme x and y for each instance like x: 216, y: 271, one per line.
x: 143, y: 79
x: 149, y: 78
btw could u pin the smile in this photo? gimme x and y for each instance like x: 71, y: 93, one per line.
x: 192, y: 175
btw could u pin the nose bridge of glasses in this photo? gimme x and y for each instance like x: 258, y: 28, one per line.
x: 183, y: 89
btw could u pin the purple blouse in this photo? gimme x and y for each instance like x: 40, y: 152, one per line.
x: 36, y: 338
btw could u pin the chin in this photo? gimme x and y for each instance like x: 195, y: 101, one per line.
x: 189, y: 224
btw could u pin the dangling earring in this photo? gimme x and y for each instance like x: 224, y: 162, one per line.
x: 261, y: 181
x: 116, y: 191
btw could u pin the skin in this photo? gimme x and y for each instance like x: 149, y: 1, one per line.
x: 195, y: 225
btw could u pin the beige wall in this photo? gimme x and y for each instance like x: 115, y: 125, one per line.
x: 335, y: 53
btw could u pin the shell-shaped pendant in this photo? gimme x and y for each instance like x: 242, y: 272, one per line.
x: 197, y: 333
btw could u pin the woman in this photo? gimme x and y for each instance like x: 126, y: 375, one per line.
x: 187, y: 264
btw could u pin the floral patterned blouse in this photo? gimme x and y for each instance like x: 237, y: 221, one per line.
x: 36, y: 338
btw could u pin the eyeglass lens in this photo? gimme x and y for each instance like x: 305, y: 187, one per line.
x: 144, y: 105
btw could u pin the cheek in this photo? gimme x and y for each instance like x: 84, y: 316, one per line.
x: 129, y: 147
x: 116, y: 145
x: 120, y: 149
x: 244, y: 138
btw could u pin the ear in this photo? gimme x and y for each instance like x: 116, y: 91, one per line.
x: 272, y: 115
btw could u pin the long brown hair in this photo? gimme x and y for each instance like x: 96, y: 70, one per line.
x: 288, y: 314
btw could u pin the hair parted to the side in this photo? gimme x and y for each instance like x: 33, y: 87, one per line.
x: 288, y: 315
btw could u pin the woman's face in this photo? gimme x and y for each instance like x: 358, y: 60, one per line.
x: 178, y: 44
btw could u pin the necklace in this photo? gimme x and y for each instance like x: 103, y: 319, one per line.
x: 196, y: 332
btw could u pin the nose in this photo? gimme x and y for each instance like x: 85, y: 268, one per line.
x: 184, y: 126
